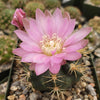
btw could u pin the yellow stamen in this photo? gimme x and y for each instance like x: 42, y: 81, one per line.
x: 53, y: 44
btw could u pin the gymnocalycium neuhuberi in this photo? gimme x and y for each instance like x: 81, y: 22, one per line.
x: 51, y: 48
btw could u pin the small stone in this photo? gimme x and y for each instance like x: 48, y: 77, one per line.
x: 83, y: 84
x: 11, y: 97
x: 97, y: 52
x: 1, y: 33
x: 86, y: 97
x: 78, y: 91
x: 25, y: 91
x: 33, y: 96
x: 92, y: 84
x: 22, y: 97
x: 78, y: 99
x: 88, y: 79
x: 13, y: 88
x: 91, y: 90
x: 15, y: 77
x: 69, y: 98
x: 97, y: 62
x: 18, y: 93
x: 45, y: 98
x: 17, y: 83
x: 95, y: 98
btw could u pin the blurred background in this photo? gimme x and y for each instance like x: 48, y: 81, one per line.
x: 86, y: 13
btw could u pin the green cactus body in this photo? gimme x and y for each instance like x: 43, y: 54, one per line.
x: 54, y: 83
x: 6, y: 46
x: 2, y: 6
x: 74, y: 12
x: 50, y: 4
x: 31, y: 7
x: 5, y: 20
x: 18, y: 3
x: 96, y: 2
x: 95, y: 24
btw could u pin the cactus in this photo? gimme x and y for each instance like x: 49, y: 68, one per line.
x: 55, y: 83
x: 49, y: 4
x: 74, y: 12
x: 5, y: 20
x: 6, y: 45
x: 18, y: 3
x: 96, y: 2
x: 31, y: 7
x: 2, y: 6
x: 95, y: 24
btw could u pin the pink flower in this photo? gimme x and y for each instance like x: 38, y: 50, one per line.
x: 49, y: 40
x: 18, y: 17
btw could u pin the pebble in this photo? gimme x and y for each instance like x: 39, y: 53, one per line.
x: 15, y: 77
x: 1, y: 32
x: 22, y: 97
x: 11, y: 97
x: 13, y: 88
x: 17, y: 83
x: 25, y: 91
x: 97, y: 62
x: 78, y: 91
x: 86, y: 97
x: 83, y: 84
x: 78, y: 99
x: 45, y: 98
x: 97, y: 52
x: 33, y: 96
x: 69, y: 98
x: 91, y: 90
x: 95, y: 98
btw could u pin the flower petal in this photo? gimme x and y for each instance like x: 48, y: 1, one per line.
x: 32, y: 29
x: 41, y: 68
x: 81, y: 44
x: 23, y: 36
x: 70, y: 28
x: 19, y: 52
x: 32, y: 66
x: 54, y: 68
x: 41, y: 58
x: 28, y: 57
x: 31, y: 48
x: 77, y: 36
x: 72, y: 56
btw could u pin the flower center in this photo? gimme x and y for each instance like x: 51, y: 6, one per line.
x: 51, y: 46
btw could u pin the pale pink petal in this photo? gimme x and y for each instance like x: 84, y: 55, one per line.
x: 19, y: 52
x: 54, y: 68
x: 31, y: 48
x: 47, y: 13
x: 32, y: 29
x: 46, y: 24
x: 81, y: 44
x: 69, y: 29
x: 32, y: 66
x: 41, y: 68
x: 41, y: 21
x: 23, y: 36
x: 77, y: 36
x: 41, y: 58
x: 55, y: 59
x: 57, y: 16
x: 63, y: 27
x: 73, y: 56
x: 66, y: 15
x: 57, y: 13
x: 28, y: 57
